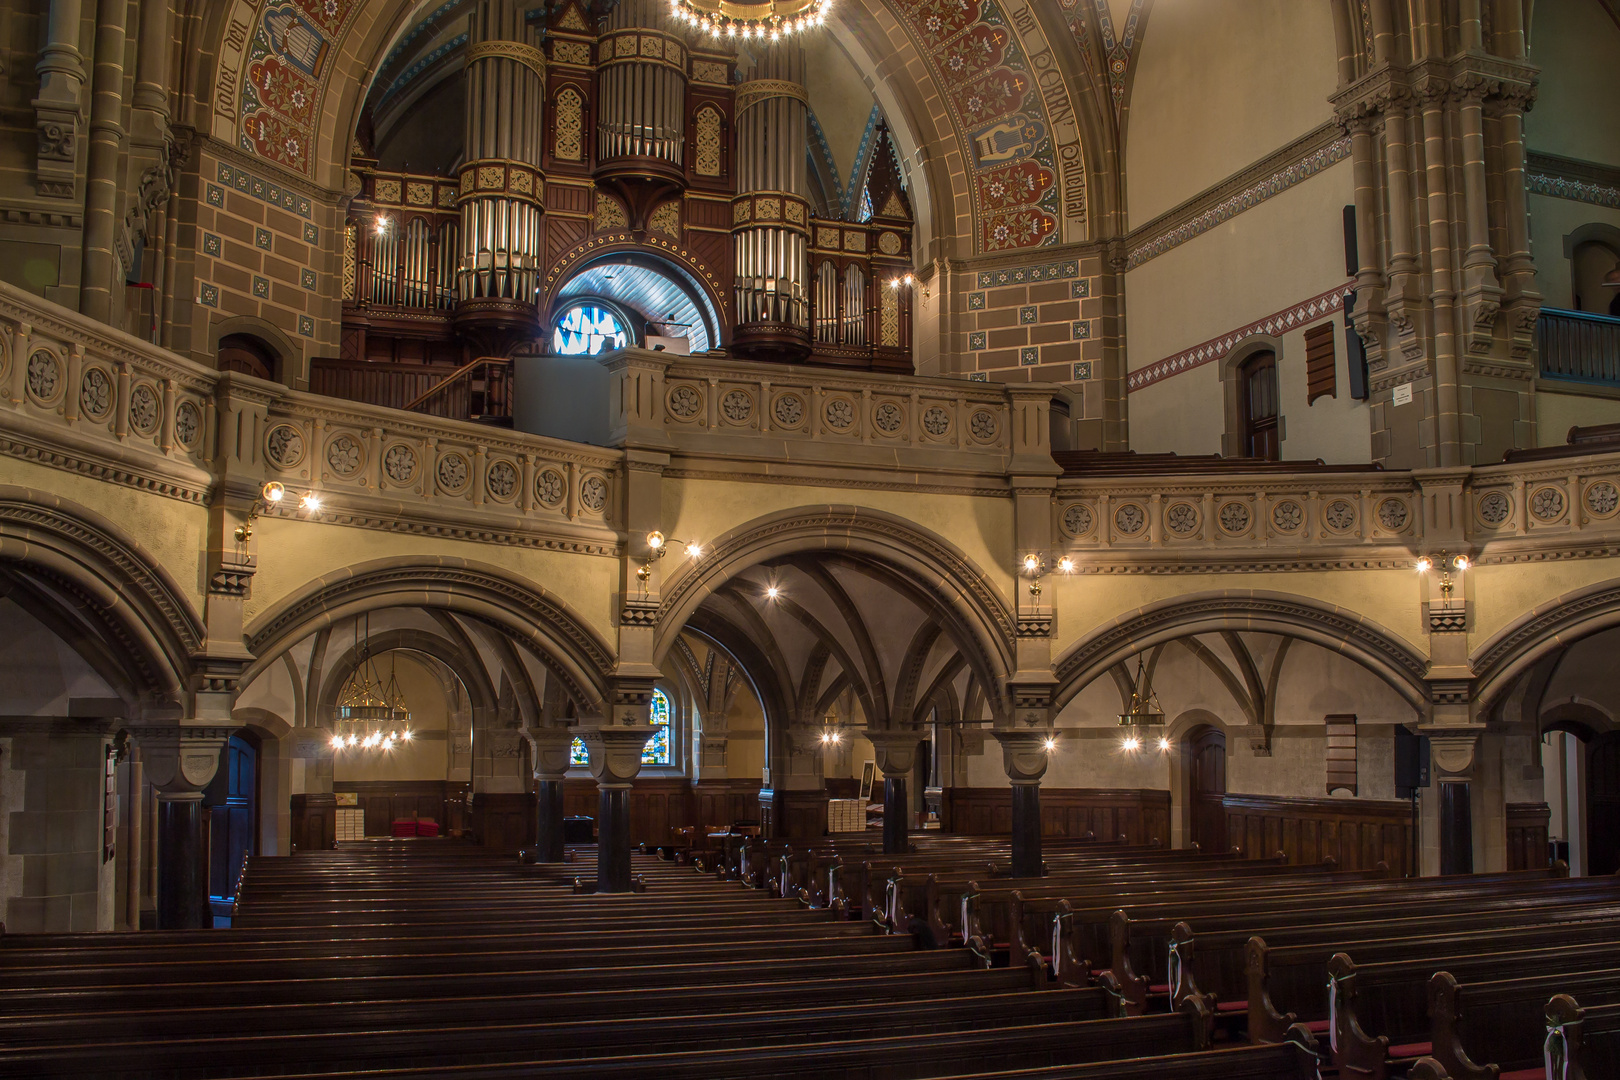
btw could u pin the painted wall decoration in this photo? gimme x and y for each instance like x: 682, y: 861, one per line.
x: 286, y: 58
x: 1011, y: 109
x: 1118, y: 50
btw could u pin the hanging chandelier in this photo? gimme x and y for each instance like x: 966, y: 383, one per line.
x: 1144, y: 712
x: 370, y: 714
x: 766, y: 19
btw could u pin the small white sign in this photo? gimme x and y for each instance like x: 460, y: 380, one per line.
x: 1403, y: 394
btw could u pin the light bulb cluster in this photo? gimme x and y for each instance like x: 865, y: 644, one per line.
x: 375, y: 740
x: 1133, y: 743
x: 907, y: 280
x: 711, y: 17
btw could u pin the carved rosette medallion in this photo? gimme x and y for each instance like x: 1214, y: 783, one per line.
x: 789, y: 410
x: 284, y: 446
x: 44, y: 377
x: 1130, y: 519
x: 1393, y: 515
x: 399, y: 464
x: 96, y: 394
x: 685, y: 401
x: 143, y: 409
x: 345, y: 456
x: 454, y: 473
x: 1547, y: 505
x: 840, y: 414
x: 983, y: 426
x: 737, y: 405
x: 1287, y: 516
x: 188, y: 424
x: 593, y: 494
x: 887, y: 418
x: 502, y: 481
x: 549, y: 487
x: 1181, y: 518
x: 936, y: 421
x: 1340, y: 515
x: 1077, y: 520
x: 1234, y: 518
x: 1602, y: 498
x: 1494, y: 508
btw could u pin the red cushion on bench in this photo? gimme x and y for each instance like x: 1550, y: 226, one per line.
x: 1318, y: 1027
x: 1523, y: 1074
x: 1159, y: 988
x: 1406, y: 1050
x: 1232, y: 1006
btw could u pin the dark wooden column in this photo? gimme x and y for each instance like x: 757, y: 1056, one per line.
x: 182, y: 888
x: 1024, y: 755
x: 615, y: 760
x: 1456, y: 827
x: 613, y: 839
x: 896, y: 815
x: 1026, y: 829
x: 896, y: 752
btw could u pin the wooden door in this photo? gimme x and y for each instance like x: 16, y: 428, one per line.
x: 1603, y: 804
x: 1259, y: 390
x: 1208, y: 786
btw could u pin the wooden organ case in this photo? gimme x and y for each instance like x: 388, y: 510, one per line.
x: 605, y: 131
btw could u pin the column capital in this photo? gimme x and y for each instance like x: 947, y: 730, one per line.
x: 180, y: 759
x: 615, y: 752
x: 1025, y: 754
x: 1452, y: 746
x: 552, y: 747
x: 895, y: 748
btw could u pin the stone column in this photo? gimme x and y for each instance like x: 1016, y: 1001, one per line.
x: 57, y: 110
x: 98, y: 271
x: 615, y: 761
x: 1453, y: 754
x: 179, y: 762
x: 1024, y: 754
x: 551, y: 755
x: 896, y: 750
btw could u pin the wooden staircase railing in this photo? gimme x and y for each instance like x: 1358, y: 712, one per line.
x: 488, y: 386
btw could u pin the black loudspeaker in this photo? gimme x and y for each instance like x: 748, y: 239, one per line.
x: 1411, y: 762
x: 1352, y: 258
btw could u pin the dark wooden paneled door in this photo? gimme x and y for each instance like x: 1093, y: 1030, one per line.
x: 1260, y: 434
x: 232, y: 801
x: 1208, y: 785
x: 1603, y: 804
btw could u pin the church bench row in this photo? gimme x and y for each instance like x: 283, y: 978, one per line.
x: 1285, y: 970
x: 1386, y: 1014
x: 1141, y: 936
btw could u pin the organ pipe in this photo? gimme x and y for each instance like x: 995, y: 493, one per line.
x: 772, y: 260
x: 500, y: 236
x: 641, y: 88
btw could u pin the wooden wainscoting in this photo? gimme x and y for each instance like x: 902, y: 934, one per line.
x: 1527, y: 825
x: 1141, y: 815
x: 314, y: 822
x: 1359, y: 833
x: 386, y: 801
x: 718, y: 803
x: 504, y: 820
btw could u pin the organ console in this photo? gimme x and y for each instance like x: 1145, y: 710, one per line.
x: 630, y: 134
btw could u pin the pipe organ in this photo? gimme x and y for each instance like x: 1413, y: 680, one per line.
x: 615, y: 133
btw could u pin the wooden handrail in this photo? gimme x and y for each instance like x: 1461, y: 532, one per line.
x: 461, y: 372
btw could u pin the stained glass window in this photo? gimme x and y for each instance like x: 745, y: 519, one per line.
x: 656, y: 752
x: 587, y: 329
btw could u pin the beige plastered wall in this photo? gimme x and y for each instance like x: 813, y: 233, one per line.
x: 1084, y: 602
x: 1500, y: 594
x: 700, y: 510
x: 293, y: 553
x: 1220, y: 84
x: 1227, y: 278
x: 173, y: 533
x: 1576, y: 43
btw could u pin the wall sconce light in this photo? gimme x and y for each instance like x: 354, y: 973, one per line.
x: 1447, y: 564
x: 382, y: 225
x: 1034, y: 567
x: 658, y: 544
x: 832, y: 733
x: 273, y: 494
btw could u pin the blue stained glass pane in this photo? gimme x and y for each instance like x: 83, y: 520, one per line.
x: 656, y: 752
x: 587, y: 329
x: 577, y: 754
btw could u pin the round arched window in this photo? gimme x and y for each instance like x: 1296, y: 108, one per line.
x: 587, y: 329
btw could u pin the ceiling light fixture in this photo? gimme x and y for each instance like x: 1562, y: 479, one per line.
x: 751, y: 18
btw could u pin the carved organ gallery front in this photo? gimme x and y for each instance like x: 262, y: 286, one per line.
x: 629, y: 177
